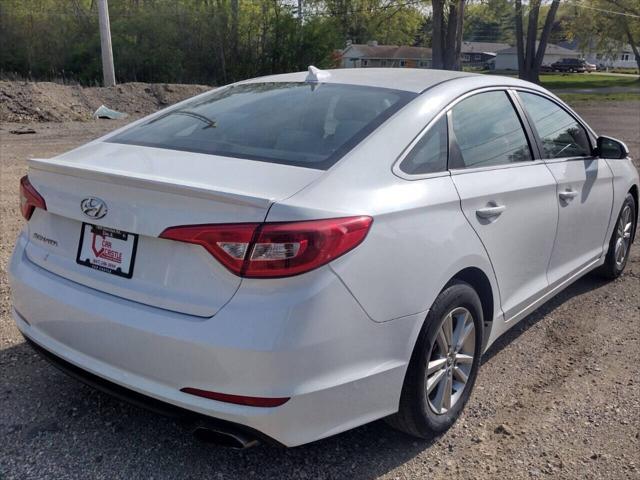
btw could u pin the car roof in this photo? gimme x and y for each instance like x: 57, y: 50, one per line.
x: 414, y: 80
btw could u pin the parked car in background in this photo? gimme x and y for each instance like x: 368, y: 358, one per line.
x: 573, y: 65
x: 292, y: 256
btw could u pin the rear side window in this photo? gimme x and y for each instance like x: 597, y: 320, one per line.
x: 290, y: 123
x: 560, y: 133
x: 429, y: 155
x: 488, y: 132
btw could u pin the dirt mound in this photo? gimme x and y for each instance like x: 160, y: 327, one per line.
x: 53, y: 102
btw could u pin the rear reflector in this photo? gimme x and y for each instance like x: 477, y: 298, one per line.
x: 30, y: 199
x: 237, y: 399
x: 268, y: 250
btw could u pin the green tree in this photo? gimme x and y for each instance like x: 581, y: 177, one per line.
x: 489, y: 21
x: 605, y: 26
x: 200, y: 41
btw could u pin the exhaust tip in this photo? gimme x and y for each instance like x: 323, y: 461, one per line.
x: 229, y: 439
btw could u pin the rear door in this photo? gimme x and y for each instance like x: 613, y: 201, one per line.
x: 585, y: 186
x: 508, y: 197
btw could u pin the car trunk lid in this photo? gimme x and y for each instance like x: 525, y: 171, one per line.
x: 147, y: 190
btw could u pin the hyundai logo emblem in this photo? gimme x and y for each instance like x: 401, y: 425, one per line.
x: 93, y: 207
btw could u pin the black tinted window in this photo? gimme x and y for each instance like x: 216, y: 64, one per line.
x: 561, y: 135
x: 488, y: 131
x: 291, y: 123
x: 429, y: 155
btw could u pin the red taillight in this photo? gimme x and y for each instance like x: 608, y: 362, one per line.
x: 228, y: 243
x: 237, y: 399
x: 30, y: 199
x: 275, y: 249
x: 283, y: 249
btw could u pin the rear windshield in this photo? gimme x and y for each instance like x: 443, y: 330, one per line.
x: 290, y: 123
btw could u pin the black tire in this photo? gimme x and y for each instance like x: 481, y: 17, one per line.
x: 416, y: 415
x: 612, y: 268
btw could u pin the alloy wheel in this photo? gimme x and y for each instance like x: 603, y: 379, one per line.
x: 450, y: 360
x: 623, y: 236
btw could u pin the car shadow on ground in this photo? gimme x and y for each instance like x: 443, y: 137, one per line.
x: 57, y: 415
x: 589, y: 282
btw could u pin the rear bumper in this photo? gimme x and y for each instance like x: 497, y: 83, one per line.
x: 304, y: 338
x: 148, y: 403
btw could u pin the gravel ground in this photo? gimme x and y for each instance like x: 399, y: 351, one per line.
x: 558, y: 395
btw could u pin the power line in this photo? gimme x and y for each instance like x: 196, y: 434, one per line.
x: 575, y: 3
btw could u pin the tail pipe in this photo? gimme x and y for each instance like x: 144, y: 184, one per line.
x: 224, y: 436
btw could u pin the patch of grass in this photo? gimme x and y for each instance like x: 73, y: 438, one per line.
x: 585, y: 80
x: 571, y: 98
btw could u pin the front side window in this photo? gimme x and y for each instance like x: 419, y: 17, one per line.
x: 561, y: 135
x: 429, y: 155
x: 488, y: 132
x: 290, y: 123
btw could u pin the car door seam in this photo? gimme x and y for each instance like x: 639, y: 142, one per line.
x: 555, y: 237
x: 495, y: 275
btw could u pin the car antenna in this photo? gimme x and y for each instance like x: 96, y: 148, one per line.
x: 316, y: 75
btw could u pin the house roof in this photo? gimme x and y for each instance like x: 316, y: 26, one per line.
x: 552, y: 49
x: 593, y: 46
x: 570, y: 44
x: 388, y: 51
x: 483, y: 47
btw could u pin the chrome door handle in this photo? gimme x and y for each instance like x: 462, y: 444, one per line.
x: 568, y: 195
x: 490, y: 212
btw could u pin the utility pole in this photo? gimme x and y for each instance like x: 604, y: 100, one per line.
x: 108, y: 72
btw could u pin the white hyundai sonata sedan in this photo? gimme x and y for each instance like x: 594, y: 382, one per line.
x: 289, y: 257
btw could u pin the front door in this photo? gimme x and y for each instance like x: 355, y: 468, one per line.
x: 585, y: 188
x: 509, y: 198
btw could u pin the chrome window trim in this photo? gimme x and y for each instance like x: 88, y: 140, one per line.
x: 504, y: 88
x: 419, y: 176
x: 524, y: 163
x: 571, y: 159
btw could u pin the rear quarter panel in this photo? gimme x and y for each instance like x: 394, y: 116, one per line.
x: 419, y: 238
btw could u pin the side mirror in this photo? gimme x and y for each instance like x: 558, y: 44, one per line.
x: 611, y: 148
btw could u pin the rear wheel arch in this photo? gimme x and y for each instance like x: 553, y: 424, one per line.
x: 634, y: 193
x: 480, y: 282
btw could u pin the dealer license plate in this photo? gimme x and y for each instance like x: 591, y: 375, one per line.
x: 108, y: 250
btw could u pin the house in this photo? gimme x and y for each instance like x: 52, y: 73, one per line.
x: 373, y: 55
x: 476, y: 54
x: 508, y: 59
x: 609, y: 55
x: 621, y: 57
